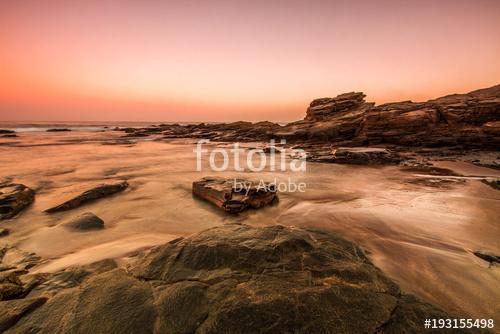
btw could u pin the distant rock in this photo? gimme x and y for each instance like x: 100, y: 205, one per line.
x: 487, y: 256
x: 90, y: 195
x: 14, y: 198
x: 85, y: 222
x: 58, y: 130
x: 233, y: 279
x: 357, y: 156
x: 492, y: 182
x: 235, y: 195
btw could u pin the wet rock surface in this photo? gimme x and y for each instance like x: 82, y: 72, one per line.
x: 90, y: 195
x: 85, y: 222
x: 235, y: 195
x: 229, y: 279
x: 14, y: 198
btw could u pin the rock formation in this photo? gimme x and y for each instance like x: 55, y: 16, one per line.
x: 229, y: 279
x: 235, y: 195
x: 14, y: 198
x: 93, y: 194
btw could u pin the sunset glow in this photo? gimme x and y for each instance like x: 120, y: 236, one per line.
x: 235, y: 60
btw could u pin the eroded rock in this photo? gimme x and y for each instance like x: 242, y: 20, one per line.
x: 90, y: 195
x: 235, y: 195
x: 14, y: 198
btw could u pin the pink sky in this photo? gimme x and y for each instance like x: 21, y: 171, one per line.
x: 235, y: 60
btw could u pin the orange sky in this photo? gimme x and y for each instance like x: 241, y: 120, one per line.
x: 220, y: 60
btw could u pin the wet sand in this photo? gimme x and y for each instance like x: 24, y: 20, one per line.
x: 419, y: 235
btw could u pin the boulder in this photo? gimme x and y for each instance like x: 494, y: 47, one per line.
x: 85, y: 222
x: 90, y: 195
x: 236, y: 278
x: 235, y: 195
x: 14, y: 198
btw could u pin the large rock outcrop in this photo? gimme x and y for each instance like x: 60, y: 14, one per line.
x: 230, y: 279
x: 467, y: 121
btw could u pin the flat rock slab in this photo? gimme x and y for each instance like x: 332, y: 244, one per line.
x: 90, y: 195
x: 234, y: 278
x: 235, y: 195
x: 14, y: 198
x: 85, y: 222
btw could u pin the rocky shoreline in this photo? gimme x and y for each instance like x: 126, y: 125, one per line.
x: 458, y: 122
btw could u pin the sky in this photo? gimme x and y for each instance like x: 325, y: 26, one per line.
x: 152, y: 60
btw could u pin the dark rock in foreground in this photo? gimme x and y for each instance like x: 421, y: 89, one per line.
x: 85, y: 222
x: 2, y: 132
x: 14, y: 198
x: 100, y: 191
x: 233, y: 279
x: 235, y: 195
x: 58, y: 130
